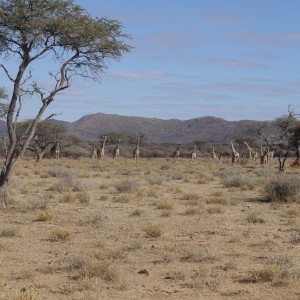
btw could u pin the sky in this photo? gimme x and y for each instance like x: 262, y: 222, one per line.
x: 233, y: 59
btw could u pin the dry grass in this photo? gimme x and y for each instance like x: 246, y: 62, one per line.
x: 161, y: 230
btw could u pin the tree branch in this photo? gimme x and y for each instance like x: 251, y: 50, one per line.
x: 7, y: 73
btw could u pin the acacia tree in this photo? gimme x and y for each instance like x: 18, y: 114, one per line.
x: 46, y: 134
x: 283, y: 134
x: 33, y: 31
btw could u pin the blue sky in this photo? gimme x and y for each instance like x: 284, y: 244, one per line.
x: 225, y: 58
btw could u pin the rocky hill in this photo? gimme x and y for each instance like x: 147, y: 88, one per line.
x: 160, y: 131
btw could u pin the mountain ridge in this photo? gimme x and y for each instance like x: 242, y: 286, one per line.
x: 209, y: 128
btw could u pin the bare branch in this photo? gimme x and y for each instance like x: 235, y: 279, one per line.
x: 51, y: 116
x: 7, y: 73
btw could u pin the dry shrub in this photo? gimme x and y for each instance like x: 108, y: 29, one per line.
x: 67, y: 198
x: 10, y: 232
x: 124, y: 198
x: 109, y: 254
x: 45, y: 216
x: 165, y: 203
x: 198, y: 254
x: 192, y: 211
x: 214, y: 200
x: 45, y: 175
x: 69, y: 183
x: 134, y: 245
x: 152, y: 192
x: 218, y: 209
x: 3, y: 246
x: 39, y: 203
x: 153, y: 231
x: 92, y: 220
x: 192, y: 196
x: 203, y: 178
x: 282, y: 188
x: 264, y: 172
x: 165, y: 213
x: 93, y: 266
x: 136, y: 213
x: 61, y: 235
x: 85, y: 175
x: 239, y: 180
x: 156, y: 180
x: 83, y: 197
x: 267, y: 274
x: 127, y: 185
x: 59, y: 171
x: 100, y: 269
x: 26, y: 189
x: 165, y: 166
x: 254, y: 218
x: 177, y: 175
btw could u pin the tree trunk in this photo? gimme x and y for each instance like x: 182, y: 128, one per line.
x: 3, y: 193
x: 39, y: 156
x: 296, y: 163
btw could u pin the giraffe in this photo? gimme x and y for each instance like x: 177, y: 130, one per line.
x: 94, y: 152
x: 177, y: 153
x: 252, y: 152
x: 136, y: 151
x: 116, y: 151
x: 193, y: 154
x: 264, y: 155
x: 101, y: 149
x: 235, y: 155
x: 214, y: 155
x: 55, y: 150
x: 271, y: 153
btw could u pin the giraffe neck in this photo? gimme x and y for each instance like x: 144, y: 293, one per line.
x: 233, y: 150
x: 103, y: 143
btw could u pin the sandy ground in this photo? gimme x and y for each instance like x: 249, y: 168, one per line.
x: 163, y: 230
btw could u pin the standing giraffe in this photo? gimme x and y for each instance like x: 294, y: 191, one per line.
x: 94, y: 152
x: 252, y: 152
x: 193, y: 154
x: 55, y: 151
x: 136, y: 151
x: 177, y: 153
x: 101, y: 150
x: 214, y: 155
x: 271, y: 153
x: 116, y: 152
x: 264, y: 155
x: 235, y: 155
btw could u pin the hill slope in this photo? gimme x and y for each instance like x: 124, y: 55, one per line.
x: 159, y: 131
